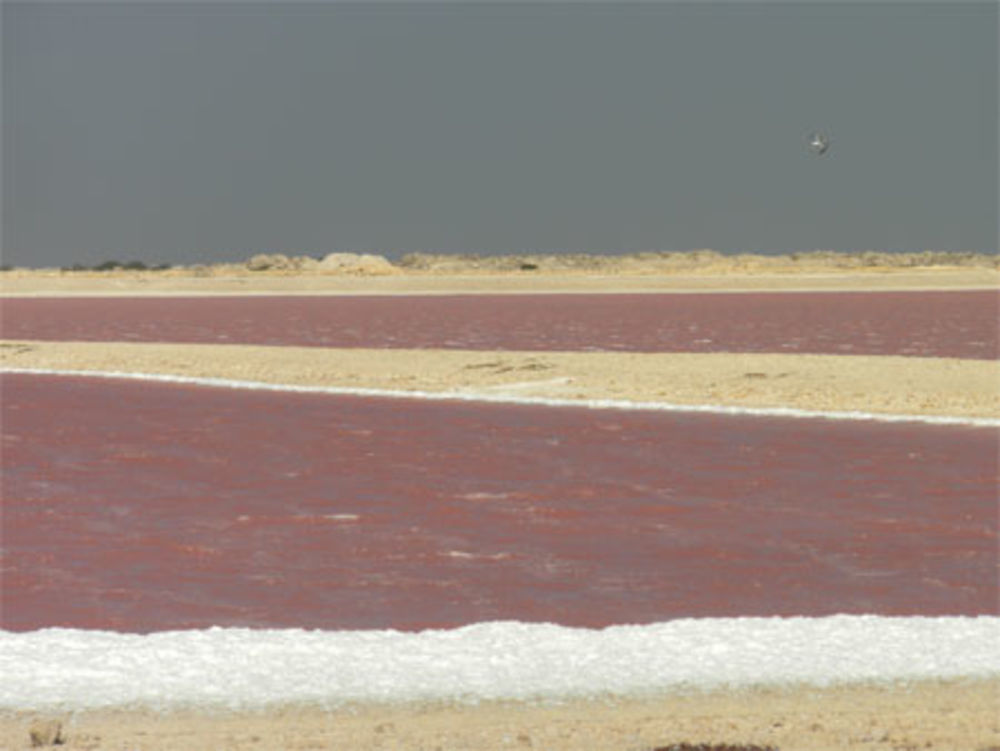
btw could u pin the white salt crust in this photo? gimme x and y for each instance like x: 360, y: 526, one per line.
x: 493, y: 398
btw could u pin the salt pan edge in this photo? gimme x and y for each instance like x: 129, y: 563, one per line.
x: 480, y: 397
x: 245, y: 668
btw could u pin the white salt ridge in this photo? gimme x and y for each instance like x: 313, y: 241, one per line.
x: 250, y: 669
x: 470, y: 396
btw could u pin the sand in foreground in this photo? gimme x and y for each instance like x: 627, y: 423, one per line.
x: 931, y: 714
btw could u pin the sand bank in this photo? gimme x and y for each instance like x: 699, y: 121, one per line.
x: 234, y: 281
x: 930, y: 714
x: 887, y: 385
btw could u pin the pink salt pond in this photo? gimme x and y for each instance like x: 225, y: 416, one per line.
x: 921, y: 324
x: 138, y: 506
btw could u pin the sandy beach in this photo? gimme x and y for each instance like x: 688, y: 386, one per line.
x: 881, y: 385
x: 939, y: 714
x: 932, y: 714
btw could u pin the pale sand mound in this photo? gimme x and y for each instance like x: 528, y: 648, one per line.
x: 946, y: 715
x: 891, y: 385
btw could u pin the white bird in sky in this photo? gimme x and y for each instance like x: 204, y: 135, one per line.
x: 819, y: 143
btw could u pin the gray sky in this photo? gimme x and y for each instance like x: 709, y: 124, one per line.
x: 210, y: 131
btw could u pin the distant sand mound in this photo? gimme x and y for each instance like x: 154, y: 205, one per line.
x: 362, y: 264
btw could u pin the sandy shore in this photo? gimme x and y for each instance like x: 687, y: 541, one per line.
x: 949, y: 715
x: 718, y: 279
x: 888, y: 385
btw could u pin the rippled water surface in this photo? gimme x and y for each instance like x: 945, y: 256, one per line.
x: 924, y: 324
x: 141, y: 506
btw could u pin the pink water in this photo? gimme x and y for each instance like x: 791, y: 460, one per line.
x: 139, y: 506
x: 924, y: 324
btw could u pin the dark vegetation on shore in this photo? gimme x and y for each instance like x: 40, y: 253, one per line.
x: 103, y: 266
x: 113, y: 265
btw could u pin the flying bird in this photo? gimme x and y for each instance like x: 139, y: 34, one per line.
x: 819, y: 143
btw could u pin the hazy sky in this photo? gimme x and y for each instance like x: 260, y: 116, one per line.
x: 188, y: 132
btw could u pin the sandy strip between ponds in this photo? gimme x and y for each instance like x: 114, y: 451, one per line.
x: 881, y: 385
x: 721, y: 279
x: 948, y: 715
